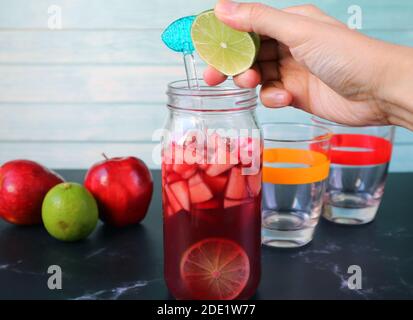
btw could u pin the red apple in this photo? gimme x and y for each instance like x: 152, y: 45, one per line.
x: 23, y: 186
x: 122, y: 188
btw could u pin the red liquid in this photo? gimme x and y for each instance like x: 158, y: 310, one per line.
x: 212, y: 231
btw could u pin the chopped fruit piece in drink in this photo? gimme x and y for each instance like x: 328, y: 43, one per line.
x: 254, y: 184
x: 249, y: 151
x: 216, y: 184
x: 185, y: 170
x: 203, y: 166
x: 215, y: 268
x: 167, y: 158
x: 194, y: 154
x: 228, y: 203
x: 211, y: 204
x: 169, y: 211
x: 216, y: 169
x: 243, y: 145
x: 198, y: 190
x: 189, y: 173
x: 237, y: 186
x: 245, y: 160
x: 195, y: 180
x: 174, y: 203
x: 180, y: 190
x: 173, y: 177
x: 200, y: 193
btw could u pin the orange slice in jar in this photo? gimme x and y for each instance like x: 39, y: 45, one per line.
x: 215, y: 269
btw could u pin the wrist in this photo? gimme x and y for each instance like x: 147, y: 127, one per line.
x: 396, y: 83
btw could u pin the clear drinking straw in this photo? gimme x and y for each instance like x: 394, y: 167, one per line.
x: 190, y: 67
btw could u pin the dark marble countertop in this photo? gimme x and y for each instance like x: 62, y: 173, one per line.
x: 128, y: 263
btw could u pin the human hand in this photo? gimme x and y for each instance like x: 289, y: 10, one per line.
x: 314, y: 62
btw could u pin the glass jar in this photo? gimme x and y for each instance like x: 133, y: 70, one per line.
x: 211, y: 179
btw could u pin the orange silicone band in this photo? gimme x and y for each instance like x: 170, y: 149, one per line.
x: 317, y: 170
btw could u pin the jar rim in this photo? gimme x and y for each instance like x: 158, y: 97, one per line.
x: 226, y: 88
x: 225, y: 97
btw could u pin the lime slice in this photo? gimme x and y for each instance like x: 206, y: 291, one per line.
x: 227, y: 50
x: 215, y: 269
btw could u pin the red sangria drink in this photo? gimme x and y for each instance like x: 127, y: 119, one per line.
x: 212, y: 206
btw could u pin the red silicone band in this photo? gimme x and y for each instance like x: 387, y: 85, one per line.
x: 379, y: 150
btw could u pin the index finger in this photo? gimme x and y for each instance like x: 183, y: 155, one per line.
x: 213, y: 77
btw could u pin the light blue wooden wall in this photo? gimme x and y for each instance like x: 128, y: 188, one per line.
x: 98, y: 84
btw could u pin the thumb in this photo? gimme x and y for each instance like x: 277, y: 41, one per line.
x: 288, y: 28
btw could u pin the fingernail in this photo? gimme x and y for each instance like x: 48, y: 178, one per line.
x: 226, y: 7
x: 279, y: 97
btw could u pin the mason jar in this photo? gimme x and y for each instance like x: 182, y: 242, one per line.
x: 211, y: 179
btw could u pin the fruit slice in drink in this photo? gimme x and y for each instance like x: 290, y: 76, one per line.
x: 215, y: 268
x: 180, y: 190
x: 254, y: 184
x: 237, y: 185
x: 216, y: 184
x: 228, y: 50
x: 174, y: 204
x: 199, y: 191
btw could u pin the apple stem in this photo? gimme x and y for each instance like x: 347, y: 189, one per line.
x: 105, y: 156
x: 67, y: 185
